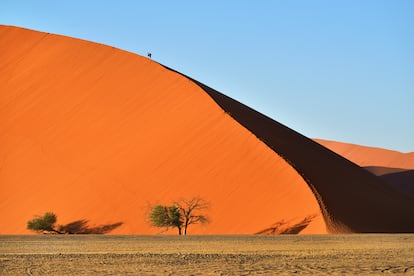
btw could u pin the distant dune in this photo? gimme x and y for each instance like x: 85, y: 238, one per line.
x: 95, y: 133
x: 369, y: 156
x: 395, y: 168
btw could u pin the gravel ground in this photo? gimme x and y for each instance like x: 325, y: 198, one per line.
x: 207, y: 255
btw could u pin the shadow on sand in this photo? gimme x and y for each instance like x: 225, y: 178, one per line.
x: 287, y: 227
x: 82, y: 227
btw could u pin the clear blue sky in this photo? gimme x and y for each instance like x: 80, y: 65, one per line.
x: 340, y: 70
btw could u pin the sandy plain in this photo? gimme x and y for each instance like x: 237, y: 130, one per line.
x: 363, y: 254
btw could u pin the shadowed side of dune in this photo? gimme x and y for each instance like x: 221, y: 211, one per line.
x: 400, y: 179
x: 403, y: 181
x: 380, y: 171
x: 351, y: 198
x: 349, y: 195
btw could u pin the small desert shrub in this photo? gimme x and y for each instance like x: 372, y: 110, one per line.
x: 43, y: 223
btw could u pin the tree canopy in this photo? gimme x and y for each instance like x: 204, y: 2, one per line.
x: 166, y: 217
x: 43, y: 223
x: 180, y: 215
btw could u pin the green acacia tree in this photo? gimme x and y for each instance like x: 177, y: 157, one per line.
x: 166, y: 217
x: 181, y: 214
x: 43, y: 223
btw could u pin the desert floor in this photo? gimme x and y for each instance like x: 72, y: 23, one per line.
x: 207, y: 255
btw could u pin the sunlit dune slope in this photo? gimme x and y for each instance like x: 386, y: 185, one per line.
x: 369, y: 156
x: 92, y: 132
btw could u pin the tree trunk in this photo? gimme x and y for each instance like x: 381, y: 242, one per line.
x: 179, y: 231
x: 185, y: 228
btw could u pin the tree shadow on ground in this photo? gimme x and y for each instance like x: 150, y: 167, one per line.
x: 82, y: 227
x: 287, y: 227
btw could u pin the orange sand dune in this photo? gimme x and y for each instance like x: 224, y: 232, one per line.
x: 92, y: 132
x: 369, y: 156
